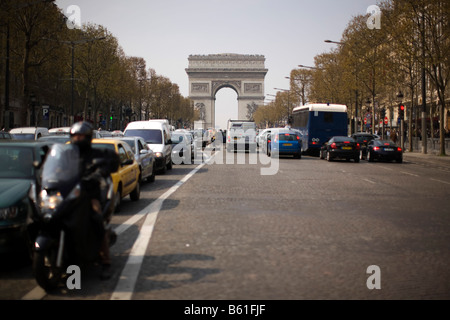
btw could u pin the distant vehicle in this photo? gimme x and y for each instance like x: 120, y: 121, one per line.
x: 363, y: 139
x: 241, y: 135
x: 144, y: 156
x: 340, y: 147
x: 28, y: 133
x: 156, y: 133
x: 59, y: 130
x: 20, y: 163
x: 284, y: 142
x: 260, y: 135
x: 317, y: 123
x: 384, y: 150
x: 182, y: 148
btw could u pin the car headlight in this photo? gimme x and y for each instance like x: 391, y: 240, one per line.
x: 9, y: 213
x: 158, y: 154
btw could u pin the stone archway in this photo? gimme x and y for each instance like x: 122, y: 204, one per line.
x: 240, y: 72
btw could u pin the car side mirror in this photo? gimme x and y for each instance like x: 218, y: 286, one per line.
x: 143, y: 151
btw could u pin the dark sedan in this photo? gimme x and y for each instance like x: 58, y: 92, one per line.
x: 384, y: 150
x: 340, y: 147
x: 363, y: 139
x: 19, y: 182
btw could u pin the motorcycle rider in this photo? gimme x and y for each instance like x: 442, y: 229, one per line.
x: 81, y: 135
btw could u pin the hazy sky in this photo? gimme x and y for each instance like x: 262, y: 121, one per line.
x: 166, y: 32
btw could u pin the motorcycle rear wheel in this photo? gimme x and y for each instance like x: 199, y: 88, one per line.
x: 46, y: 273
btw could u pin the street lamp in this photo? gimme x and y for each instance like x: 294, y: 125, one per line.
x: 400, y: 100
x: 303, y: 66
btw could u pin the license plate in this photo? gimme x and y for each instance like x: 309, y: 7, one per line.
x: 388, y: 149
x: 346, y: 148
x: 287, y: 144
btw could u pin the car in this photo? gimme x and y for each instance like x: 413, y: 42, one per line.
x: 20, y: 170
x: 126, y: 179
x: 157, y: 134
x: 259, y: 137
x: 5, y: 135
x: 340, y: 147
x: 182, y: 148
x: 363, y: 139
x: 28, y: 133
x: 144, y: 156
x: 384, y: 150
x: 284, y: 142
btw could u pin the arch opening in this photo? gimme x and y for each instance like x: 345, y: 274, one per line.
x: 226, y: 106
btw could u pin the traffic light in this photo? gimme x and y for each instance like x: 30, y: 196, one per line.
x: 111, y: 117
x: 402, y: 111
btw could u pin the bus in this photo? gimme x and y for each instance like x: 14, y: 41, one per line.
x: 317, y: 123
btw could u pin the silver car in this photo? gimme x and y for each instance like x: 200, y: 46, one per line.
x: 144, y: 157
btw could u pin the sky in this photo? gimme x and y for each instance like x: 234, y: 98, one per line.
x: 166, y: 32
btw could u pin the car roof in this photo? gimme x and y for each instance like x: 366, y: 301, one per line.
x: 24, y: 143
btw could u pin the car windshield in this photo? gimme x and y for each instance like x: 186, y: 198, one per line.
x: 16, y: 162
x: 343, y: 139
x: 23, y: 136
x: 130, y: 143
x: 287, y: 137
x: 363, y: 138
x: 152, y: 136
x: 384, y: 143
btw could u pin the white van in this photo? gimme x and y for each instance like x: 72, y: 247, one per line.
x: 157, y: 135
x: 28, y: 133
x: 241, y: 134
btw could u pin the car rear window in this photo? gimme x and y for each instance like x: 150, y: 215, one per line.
x: 152, y: 136
x: 287, y: 137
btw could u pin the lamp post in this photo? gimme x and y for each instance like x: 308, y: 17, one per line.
x: 356, y: 84
x: 400, y: 100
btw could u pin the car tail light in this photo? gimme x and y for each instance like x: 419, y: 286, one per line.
x: 399, y: 149
x: 333, y: 145
x: 298, y: 138
x: 358, y: 146
x: 346, y: 141
x: 386, y: 144
x: 376, y: 148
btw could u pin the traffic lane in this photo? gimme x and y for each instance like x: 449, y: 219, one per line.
x: 244, y: 240
x: 128, y: 222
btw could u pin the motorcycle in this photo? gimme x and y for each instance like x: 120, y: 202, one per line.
x: 70, y: 232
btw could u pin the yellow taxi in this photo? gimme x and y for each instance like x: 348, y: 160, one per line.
x: 126, y: 179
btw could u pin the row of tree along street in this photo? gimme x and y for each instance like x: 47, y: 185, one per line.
x: 76, y: 72
x: 401, y: 51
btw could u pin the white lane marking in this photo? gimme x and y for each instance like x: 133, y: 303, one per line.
x: 411, y: 174
x: 369, y: 181
x: 127, y: 280
x: 390, y: 169
x: 36, y: 294
x: 446, y: 182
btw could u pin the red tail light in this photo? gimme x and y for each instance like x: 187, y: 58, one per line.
x: 298, y: 138
x: 376, y: 148
x: 358, y: 146
x: 399, y: 149
x: 333, y: 145
x: 346, y: 141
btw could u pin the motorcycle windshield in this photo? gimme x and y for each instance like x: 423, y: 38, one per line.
x: 61, y: 169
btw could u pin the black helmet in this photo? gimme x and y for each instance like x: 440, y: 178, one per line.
x: 82, y: 128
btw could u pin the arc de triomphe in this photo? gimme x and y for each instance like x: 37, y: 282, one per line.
x: 241, y: 72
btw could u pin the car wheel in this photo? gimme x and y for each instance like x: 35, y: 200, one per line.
x: 369, y: 156
x: 361, y: 155
x: 357, y: 159
x: 329, y: 158
x: 321, y: 154
x: 136, y: 193
x: 169, y: 164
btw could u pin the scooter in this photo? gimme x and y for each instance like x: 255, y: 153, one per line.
x: 69, y: 231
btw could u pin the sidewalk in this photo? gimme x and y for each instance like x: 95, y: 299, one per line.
x: 430, y: 157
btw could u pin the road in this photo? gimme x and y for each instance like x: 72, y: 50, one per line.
x: 309, y: 232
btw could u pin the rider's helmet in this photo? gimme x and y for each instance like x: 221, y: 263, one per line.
x: 81, y: 134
